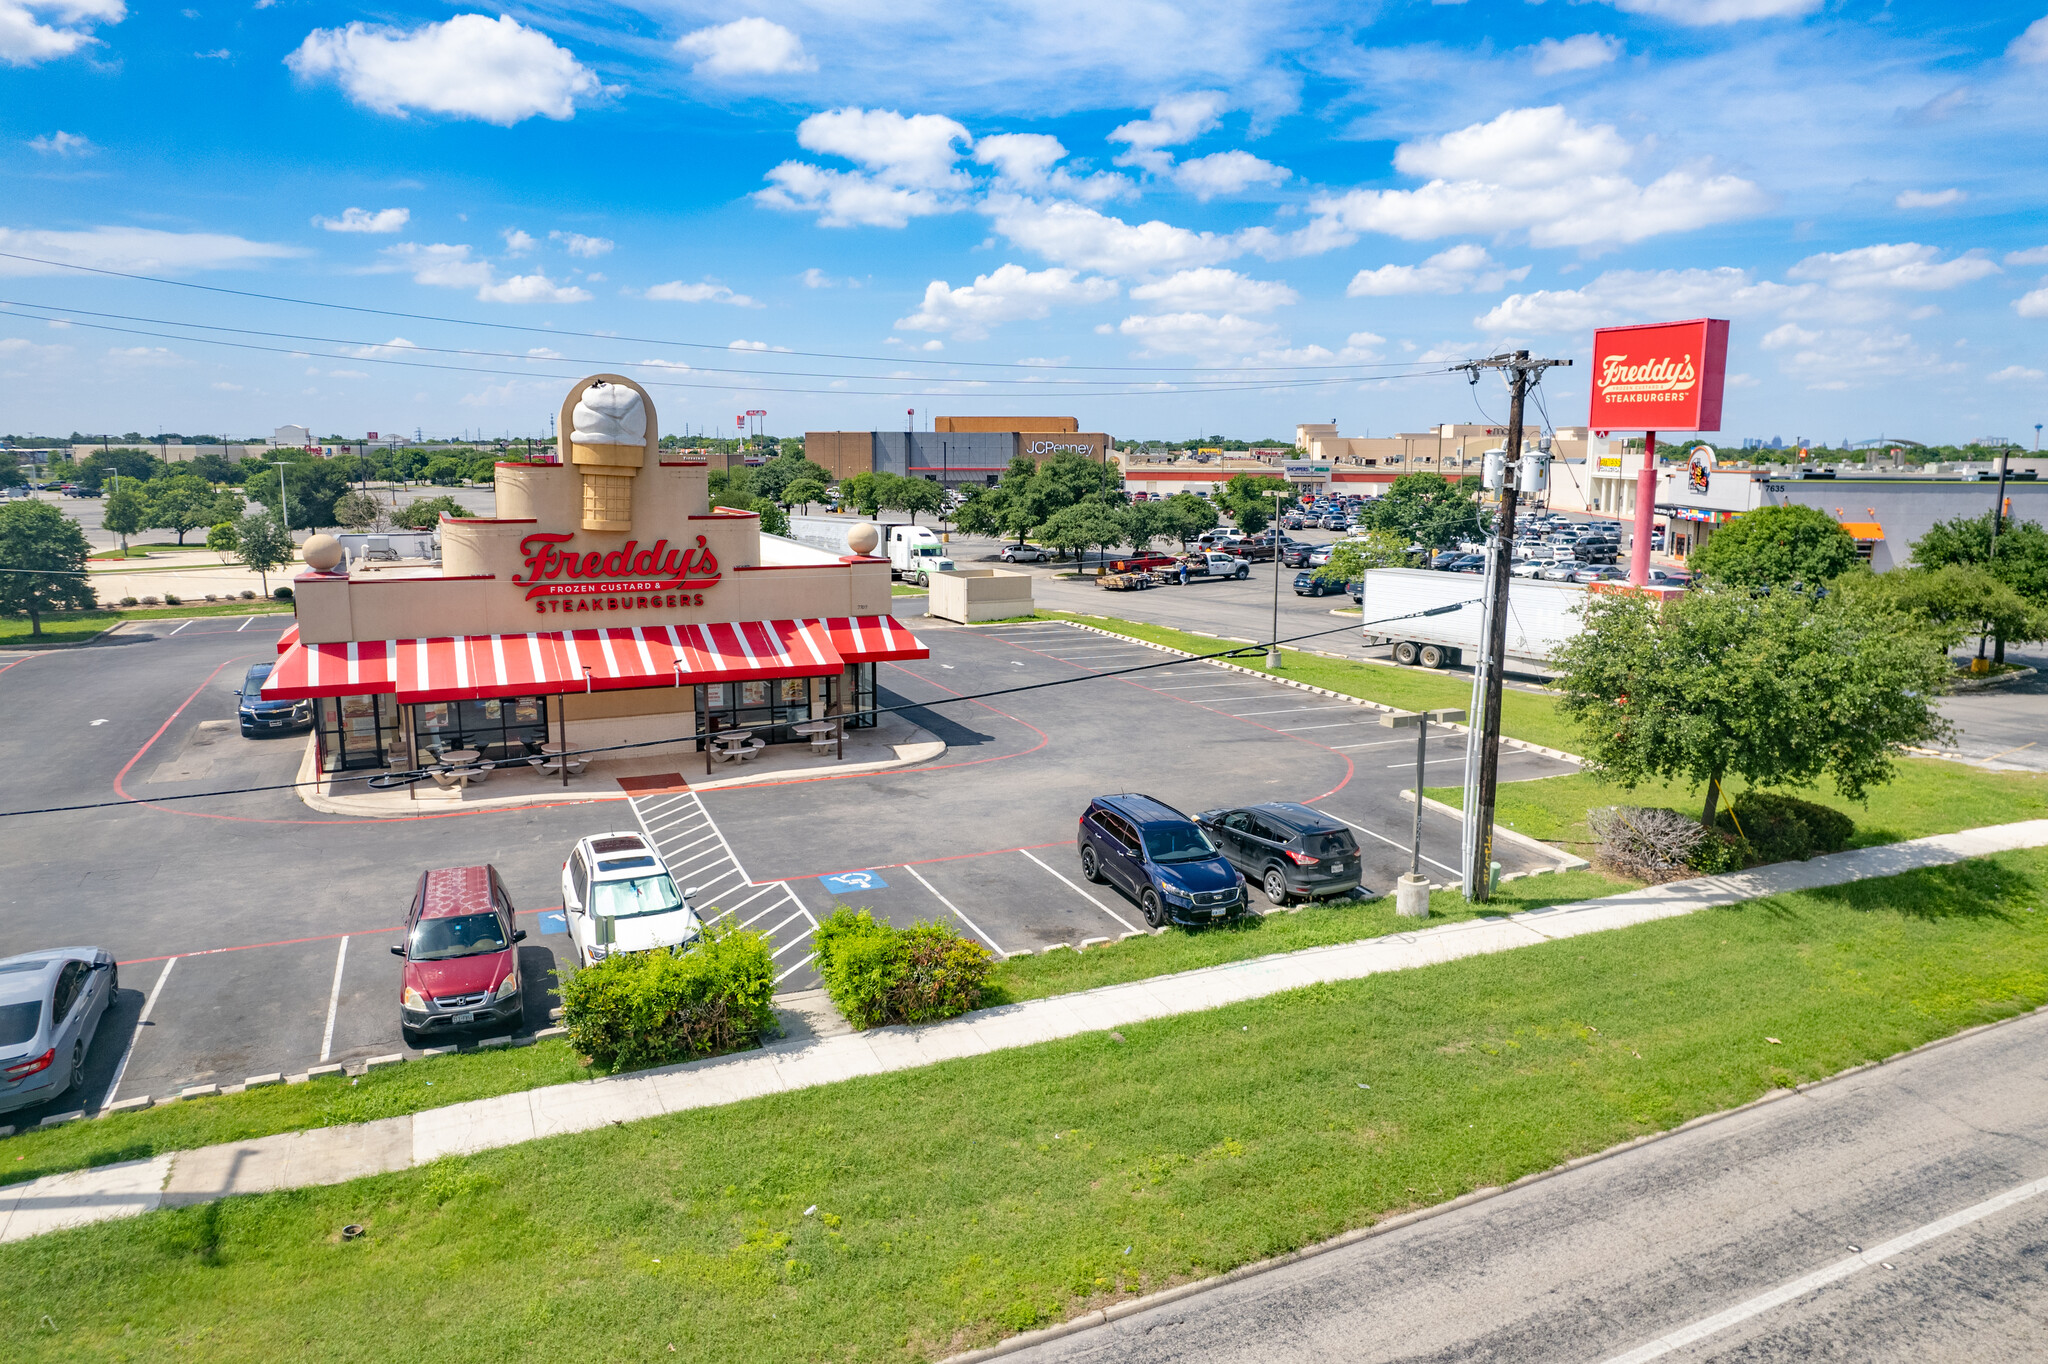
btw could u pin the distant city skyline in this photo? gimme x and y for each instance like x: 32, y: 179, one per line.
x: 1168, y: 220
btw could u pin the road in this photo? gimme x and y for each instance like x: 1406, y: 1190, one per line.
x: 1601, y: 1262
x: 2005, y: 727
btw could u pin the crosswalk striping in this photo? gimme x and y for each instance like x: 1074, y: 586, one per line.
x: 698, y: 856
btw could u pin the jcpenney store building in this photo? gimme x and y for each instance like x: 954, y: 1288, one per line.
x: 607, y: 594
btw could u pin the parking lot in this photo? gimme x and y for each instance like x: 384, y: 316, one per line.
x: 256, y: 933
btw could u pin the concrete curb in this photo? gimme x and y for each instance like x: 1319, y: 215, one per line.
x: 1969, y: 684
x: 1129, y: 1307
x: 1565, y: 861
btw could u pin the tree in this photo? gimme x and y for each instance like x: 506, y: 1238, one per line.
x: 773, y: 478
x: 310, y: 489
x: 2020, y: 559
x: 1145, y: 522
x: 863, y: 492
x: 182, y: 503
x: 1249, y: 500
x: 914, y: 495
x: 1349, y: 559
x: 1427, y: 509
x: 36, y: 537
x: 1188, y: 515
x: 1955, y: 602
x: 1779, y: 689
x: 1083, y: 526
x: 221, y: 540
x: 426, y: 513
x: 1777, y: 547
x: 444, y: 470
x: 803, y: 491
x: 357, y: 511
x: 263, y: 545
x: 774, y: 520
x: 125, y: 513
x: 1063, y: 481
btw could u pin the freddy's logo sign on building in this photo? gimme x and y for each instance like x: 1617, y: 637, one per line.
x: 559, y: 579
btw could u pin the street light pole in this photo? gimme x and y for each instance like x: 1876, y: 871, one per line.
x: 1273, y: 640
x: 284, y: 507
x: 1411, y: 895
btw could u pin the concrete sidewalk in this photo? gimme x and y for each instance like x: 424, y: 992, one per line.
x: 331, y: 1155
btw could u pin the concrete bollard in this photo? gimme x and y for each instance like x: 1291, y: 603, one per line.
x: 1411, y: 896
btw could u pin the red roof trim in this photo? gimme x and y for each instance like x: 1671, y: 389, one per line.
x: 446, y: 578
x: 492, y: 520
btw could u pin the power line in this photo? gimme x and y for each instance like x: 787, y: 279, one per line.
x: 412, y: 776
x: 604, y: 336
x: 1156, y: 389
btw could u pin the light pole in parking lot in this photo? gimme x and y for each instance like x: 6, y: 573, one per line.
x: 1273, y: 644
x: 1411, y: 895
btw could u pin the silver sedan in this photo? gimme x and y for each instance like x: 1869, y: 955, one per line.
x: 51, y: 1004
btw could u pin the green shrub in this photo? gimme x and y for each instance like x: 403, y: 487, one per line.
x: 653, y: 1008
x: 282, y: 593
x: 173, y: 599
x: 1784, y: 828
x: 130, y: 601
x: 1719, y: 853
x: 878, y: 974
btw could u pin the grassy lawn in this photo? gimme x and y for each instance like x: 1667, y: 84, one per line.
x: 475, y: 1075
x: 262, y: 606
x: 1316, y: 925
x: 1930, y: 796
x: 1529, y: 716
x: 907, y: 590
x: 67, y: 627
x: 142, y: 551
x: 958, y: 1203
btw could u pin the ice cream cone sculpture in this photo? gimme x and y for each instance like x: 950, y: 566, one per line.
x: 609, y: 432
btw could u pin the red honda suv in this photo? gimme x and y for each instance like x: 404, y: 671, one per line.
x: 461, y: 961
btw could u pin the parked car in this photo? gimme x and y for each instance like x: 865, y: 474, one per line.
x: 1319, y: 556
x: 1469, y: 563
x: 1596, y: 573
x: 1018, y: 554
x: 1668, y: 577
x: 1561, y: 570
x: 1528, y: 568
x: 619, y: 896
x: 1160, y: 858
x: 1442, y: 562
x: 1307, y: 584
x: 461, y: 955
x: 1291, y: 851
x: 51, y: 1004
x: 1295, y: 554
x: 259, y: 716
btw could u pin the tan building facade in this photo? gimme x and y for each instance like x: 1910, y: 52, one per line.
x: 608, y: 594
x: 1054, y: 425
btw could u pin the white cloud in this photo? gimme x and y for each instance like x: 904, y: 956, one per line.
x: 746, y: 47
x: 517, y: 243
x: 1461, y: 269
x: 2017, y: 374
x: 1941, y: 198
x: 1537, y: 170
x: 1703, y: 13
x: 362, y: 220
x: 2034, y: 304
x: 2037, y: 255
x: 495, y: 70
x: 755, y: 345
x: 24, y: 40
x: 61, y: 143
x: 1209, y: 289
x: 1226, y: 173
x: 1580, y: 52
x: 1006, y: 294
x: 675, y: 291
x: 1904, y: 265
x: 534, y: 288
x: 1183, y: 118
x: 1028, y: 163
x: 2031, y: 46
x: 140, y: 249
x: 576, y: 244
x: 1210, y: 339
x: 218, y: 54
x: 814, y: 278
x: 1791, y: 334
x: 1078, y: 236
x: 1856, y: 357
x: 397, y: 345
x: 909, y: 168
x: 1619, y: 296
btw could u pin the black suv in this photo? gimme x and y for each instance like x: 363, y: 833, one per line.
x: 1290, y: 850
x: 1160, y: 858
x: 260, y: 716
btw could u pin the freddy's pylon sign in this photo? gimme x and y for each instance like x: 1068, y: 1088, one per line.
x: 1665, y: 376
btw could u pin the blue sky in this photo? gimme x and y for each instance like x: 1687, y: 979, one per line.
x: 1162, y: 218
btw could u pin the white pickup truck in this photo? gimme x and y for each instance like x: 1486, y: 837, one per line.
x: 915, y: 553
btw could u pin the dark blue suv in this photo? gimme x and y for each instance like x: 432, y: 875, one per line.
x: 1160, y: 858
x: 260, y: 716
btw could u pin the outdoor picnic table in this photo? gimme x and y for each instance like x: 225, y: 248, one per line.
x: 460, y: 757
x: 821, y: 733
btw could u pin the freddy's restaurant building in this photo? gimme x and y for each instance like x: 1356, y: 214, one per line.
x: 607, y: 596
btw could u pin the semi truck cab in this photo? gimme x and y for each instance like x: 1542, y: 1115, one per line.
x: 915, y: 553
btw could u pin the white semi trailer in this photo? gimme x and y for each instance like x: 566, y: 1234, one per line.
x: 1541, y: 616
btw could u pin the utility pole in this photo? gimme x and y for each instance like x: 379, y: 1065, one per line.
x: 1273, y: 640
x: 284, y: 508
x: 1482, y: 754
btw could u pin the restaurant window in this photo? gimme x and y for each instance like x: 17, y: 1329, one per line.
x: 863, y: 697
x: 498, y: 727
x: 356, y: 731
x: 764, y: 708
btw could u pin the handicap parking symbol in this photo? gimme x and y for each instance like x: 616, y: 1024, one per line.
x: 552, y: 921
x: 848, y: 882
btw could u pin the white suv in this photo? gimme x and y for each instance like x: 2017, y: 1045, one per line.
x: 619, y: 897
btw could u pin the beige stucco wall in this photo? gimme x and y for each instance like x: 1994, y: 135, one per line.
x: 972, y: 594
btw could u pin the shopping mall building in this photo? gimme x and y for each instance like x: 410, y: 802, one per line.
x: 607, y: 596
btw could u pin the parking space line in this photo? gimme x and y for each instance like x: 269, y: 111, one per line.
x: 657, y: 828
x: 1404, y: 847
x: 1341, y: 724
x: 773, y: 905
x: 1082, y: 893
x: 1377, y: 743
x: 179, y: 628
x: 1209, y: 686
x: 245, y: 624
x: 121, y: 1067
x: 1430, y: 763
x: 687, y: 846
x: 972, y: 926
x: 771, y: 932
x: 704, y: 858
x: 1289, y: 710
x: 796, y: 968
x: 773, y: 885
x: 333, y: 1002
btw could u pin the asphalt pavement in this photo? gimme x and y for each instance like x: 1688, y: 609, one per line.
x: 1897, y: 1214
x: 2007, y: 726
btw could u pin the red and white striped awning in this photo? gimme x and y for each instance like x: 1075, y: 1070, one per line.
x: 288, y: 638
x: 466, y: 667
x: 872, y: 639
